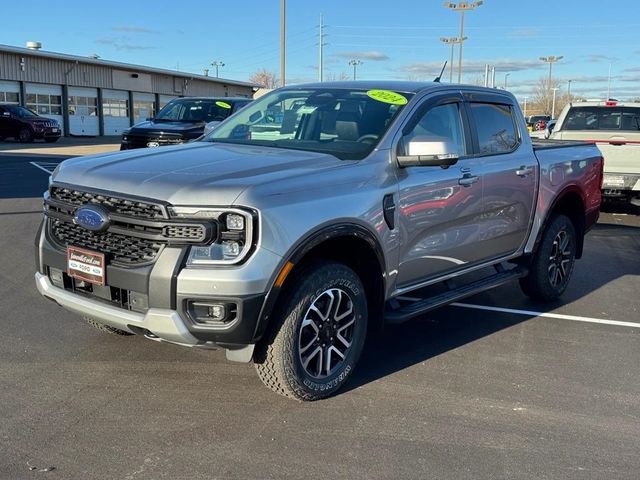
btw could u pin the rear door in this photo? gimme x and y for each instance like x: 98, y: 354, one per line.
x: 509, y: 170
x: 440, y: 209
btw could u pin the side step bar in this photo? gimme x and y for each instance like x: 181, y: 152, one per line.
x: 419, y: 306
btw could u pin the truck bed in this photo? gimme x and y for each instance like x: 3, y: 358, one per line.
x: 545, y: 144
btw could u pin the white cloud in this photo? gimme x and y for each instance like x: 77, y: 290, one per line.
x: 364, y: 55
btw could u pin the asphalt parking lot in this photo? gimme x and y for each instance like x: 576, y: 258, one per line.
x: 498, y: 387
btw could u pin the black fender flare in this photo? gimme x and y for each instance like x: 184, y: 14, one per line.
x: 569, y: 189
x: 301, y: 248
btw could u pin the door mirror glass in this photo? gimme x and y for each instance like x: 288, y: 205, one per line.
x: 426, y: 150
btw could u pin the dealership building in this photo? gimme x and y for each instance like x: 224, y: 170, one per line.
x: 89, y: 96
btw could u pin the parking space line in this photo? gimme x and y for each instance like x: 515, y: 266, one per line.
x: 44, y: 169
x: 573, y: 318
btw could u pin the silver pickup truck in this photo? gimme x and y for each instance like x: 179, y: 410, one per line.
x: 314, y: 215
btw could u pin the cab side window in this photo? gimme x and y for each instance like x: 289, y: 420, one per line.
x: 496, y: 127
x: 442, y: 122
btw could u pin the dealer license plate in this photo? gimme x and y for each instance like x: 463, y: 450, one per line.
x: 54, y: 130
x: 86, y: 265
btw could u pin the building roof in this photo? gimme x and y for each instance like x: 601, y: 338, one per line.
x: 112, y: 64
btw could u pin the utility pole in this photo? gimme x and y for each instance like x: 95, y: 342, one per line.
x: 550, y: 60
x: 217, y: 64
x: 462, y: 7
x: 506, y: 76
x: 282, y: 41
x: 355, y: 62
x: 321, y: 51
x: 452, y: 41
x: 493, y: 77
x: 553, y: 107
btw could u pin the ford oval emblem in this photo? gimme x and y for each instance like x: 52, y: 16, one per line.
x: 92, y: 218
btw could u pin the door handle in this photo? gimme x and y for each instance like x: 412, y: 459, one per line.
x: 467, y: 180
x: 524, y: 171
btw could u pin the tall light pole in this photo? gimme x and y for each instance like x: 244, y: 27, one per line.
x: 283, y: 8
x: 506, y: 76
x: 525, y: 107
x: 452, y: 41
x: 355, y: 62
x: 550, y: 60
x: 553, y: 107
x: 569, y: 89
x: 217, y: 65
x: 321, y: 51
x: 609, y: 83
x: 462, y: 7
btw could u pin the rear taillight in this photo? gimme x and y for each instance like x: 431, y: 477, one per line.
x: 610, y: 103
x: 601, y: 172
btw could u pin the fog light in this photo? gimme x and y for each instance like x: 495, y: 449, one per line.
x: 56, y: 277
x: 230, y: 249
x: 235, y: 222
x: 217, y: 312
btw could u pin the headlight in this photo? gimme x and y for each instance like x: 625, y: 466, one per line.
x: 237, y: 234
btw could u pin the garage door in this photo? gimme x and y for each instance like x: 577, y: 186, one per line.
x: 115, y: 111
x: 46, y: 100
x: 143, y: 106
x: 10, y: 92
x: 164, y: 99
x: 83, y: 111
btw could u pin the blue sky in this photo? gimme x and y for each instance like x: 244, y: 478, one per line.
x: 394, y: 40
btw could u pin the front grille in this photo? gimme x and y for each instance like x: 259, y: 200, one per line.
x: 119, y: 248
x: 122, y: 206
x: 137, y: 230
x: 141, y: 140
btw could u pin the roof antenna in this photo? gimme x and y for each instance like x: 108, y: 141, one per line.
x: 437, y: 79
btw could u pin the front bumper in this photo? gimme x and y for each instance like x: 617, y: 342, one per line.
x: 166, y: 290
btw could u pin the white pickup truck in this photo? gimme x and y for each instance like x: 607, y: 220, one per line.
x: 615, y: 128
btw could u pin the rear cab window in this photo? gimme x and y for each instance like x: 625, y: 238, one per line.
x: 603, y: 118
x: 495, y: 127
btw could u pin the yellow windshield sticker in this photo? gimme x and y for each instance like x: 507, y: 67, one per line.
x: 387, y: 96
x: 223, y: 104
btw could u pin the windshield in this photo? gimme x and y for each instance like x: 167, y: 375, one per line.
x: 345, y: 123
x: 187, y: 110
x: 21, y: 112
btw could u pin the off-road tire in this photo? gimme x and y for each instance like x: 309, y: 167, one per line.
x: 25, y: 135
x: 539, y: 284
x: 278, y: 357
x: 106, y: 328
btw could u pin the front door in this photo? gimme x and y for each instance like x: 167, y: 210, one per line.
x: 440, y: 209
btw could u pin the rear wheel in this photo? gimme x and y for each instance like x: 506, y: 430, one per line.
x: 25, y: 135
x: 322, y: 324
x: 553, y: 263
x: 106, y: 328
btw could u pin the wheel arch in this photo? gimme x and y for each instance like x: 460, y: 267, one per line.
x: 569, y: 202
x: 347, y: 242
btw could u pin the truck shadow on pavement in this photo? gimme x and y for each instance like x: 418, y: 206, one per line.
x: 610, y: 254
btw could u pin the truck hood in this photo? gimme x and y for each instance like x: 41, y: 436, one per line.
x: 199, y: 173
x: 151, y: 126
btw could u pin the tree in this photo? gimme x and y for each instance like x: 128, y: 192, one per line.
x: 542, y: 100
x: 332, y: 77
x: 265, y: 79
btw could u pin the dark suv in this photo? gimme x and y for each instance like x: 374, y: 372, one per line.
x: 25, y: 126
x: 181, y: 120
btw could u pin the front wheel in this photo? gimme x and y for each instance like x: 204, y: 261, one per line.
x: 317, y: 340
x: 553, y: 262
x: 25, y: 135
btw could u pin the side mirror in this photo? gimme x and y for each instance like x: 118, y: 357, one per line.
x: 210, y: 126
x: 429, y: 151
